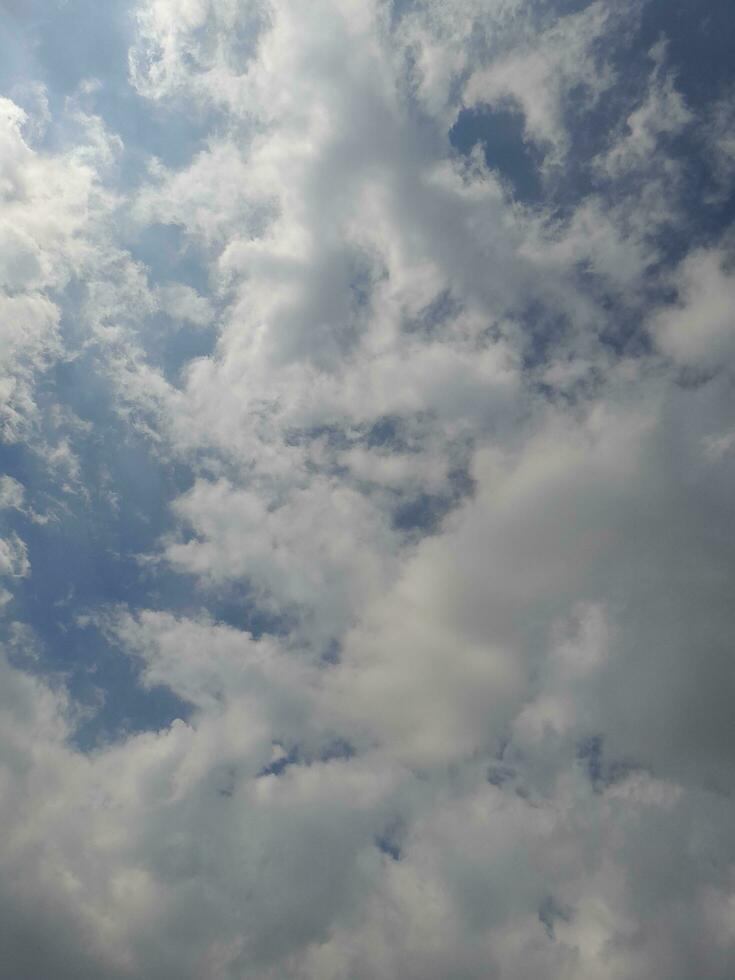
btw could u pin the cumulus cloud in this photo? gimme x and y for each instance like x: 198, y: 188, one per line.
x: 435, y: 484
x: 699, y: 331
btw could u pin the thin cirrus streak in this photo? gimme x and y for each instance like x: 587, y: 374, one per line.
x: 368, y: 444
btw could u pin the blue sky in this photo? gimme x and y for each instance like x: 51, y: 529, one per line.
x: 366, y: 466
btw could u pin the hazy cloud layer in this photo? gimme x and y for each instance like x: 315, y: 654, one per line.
x: 366, y: 552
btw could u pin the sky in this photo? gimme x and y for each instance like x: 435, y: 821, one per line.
x: 367, y: 453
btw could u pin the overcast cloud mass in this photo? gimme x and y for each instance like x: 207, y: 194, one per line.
x: 367, y: 438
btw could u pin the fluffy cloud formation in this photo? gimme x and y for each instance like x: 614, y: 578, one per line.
x: 699, y: 331
x: 404, y: 498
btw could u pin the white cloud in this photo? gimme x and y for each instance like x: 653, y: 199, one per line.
x: 662, y: 113
x: 181, y: 302
x: 11, y: 493
x: 49, y: 202
x: 497, y: 741
x: 319, y: 552
x: 14, y: 557
x: 699, y: 331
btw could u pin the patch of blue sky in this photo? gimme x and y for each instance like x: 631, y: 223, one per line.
x: 698, y: 53
x: 84, y: 537
x: 422, y: 513
x: 77, y: 572
x: 171, y: 259
x: 601, y: 771
x: 550, y: 912
x: 435, y: 315
x: 387, y: 431
x: 85, y: 550
x: 699, y: 38
x: 500, y: 132
x: 70, y: 40
x: 388, y: 847
x: 175, y: 350
x: 169, y: 256
x: 337, y: 748
x: 698, y: 56
x: 66, y: 43
x: 279, y: 765
x: 86, y: 561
